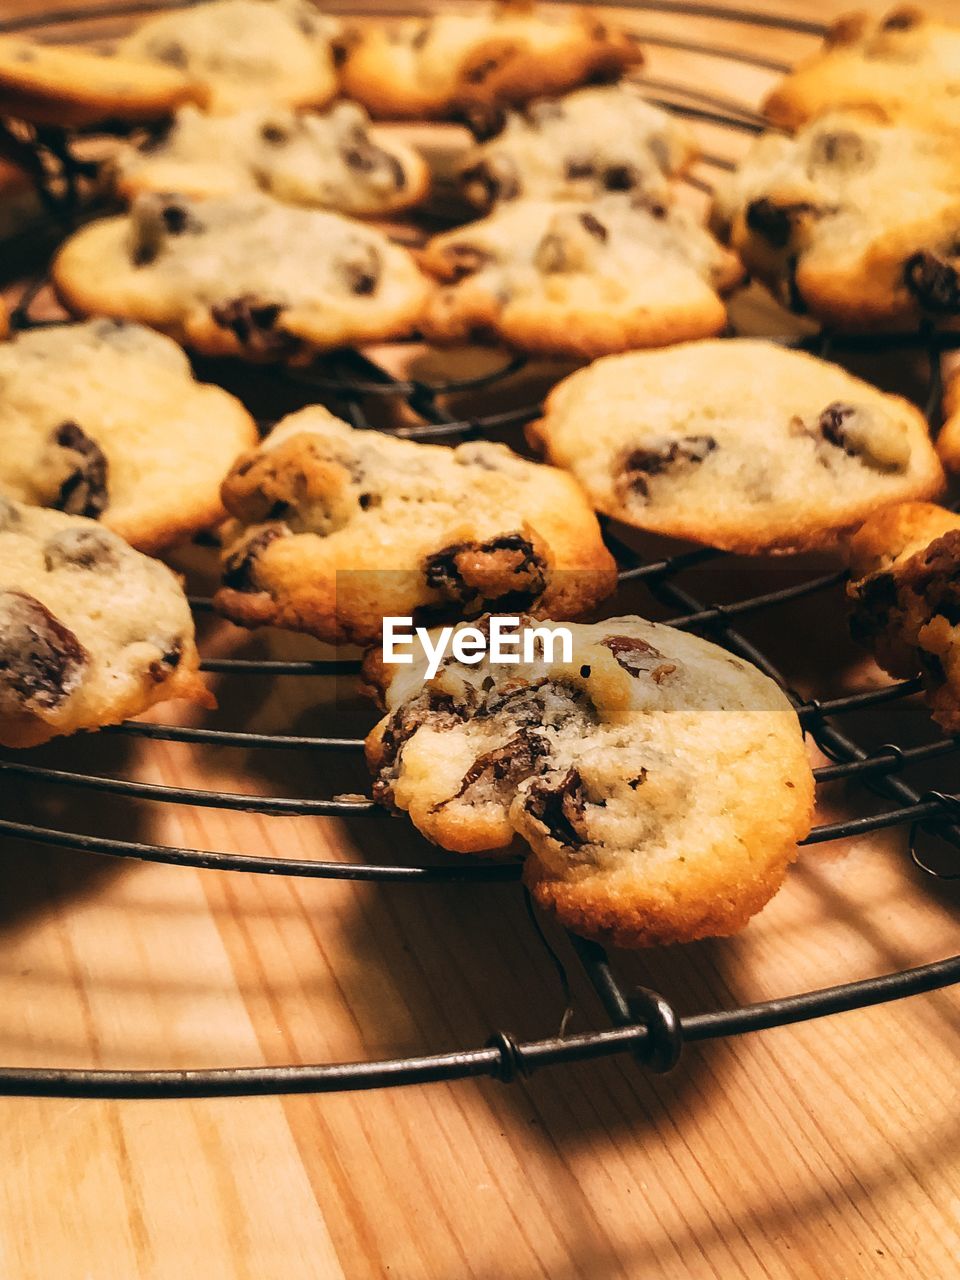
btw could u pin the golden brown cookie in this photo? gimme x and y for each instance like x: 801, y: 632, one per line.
x: 737, y: 443
x: 91, y: 631
x: 71, y: 86
x: 336, y: 528
x: 243, y: 275
x: 903, y: 65
x: 661, y: 783
x: 905, y: 594
x: 430, y: 67
x: 579, y: 278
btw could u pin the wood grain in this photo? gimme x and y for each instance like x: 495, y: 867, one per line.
x: 829, y: 1149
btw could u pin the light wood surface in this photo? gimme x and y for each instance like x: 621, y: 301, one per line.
x: 824, y: 1150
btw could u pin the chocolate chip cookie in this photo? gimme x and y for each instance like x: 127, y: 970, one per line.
x: 91, y: 631
x: 72, y: 86
x: 243, y: 275
x: 325, y: 161
x: 660, y: 783
x: 415, y: 68
x: 905, y: 595
x: 606, y: 138
x: 105, y: 419
x: 904, y: 65
x: 740, y: 444
x: 336, y: 528
x: 245, y: 52
x: 855, y: 221
x: 580, y: 278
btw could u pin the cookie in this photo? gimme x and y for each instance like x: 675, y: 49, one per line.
x: 579, y: 278
x: 91, y: 631
x: 904, y: 65
x: 660, y: 783
x: 329, y: 161
x: 245, y: 52
x: 740, y: 444
x: 69, y: 86
x: 105, y: 419
x: 606, y: 138
x: 336, y: 528
x: 416, y: 68
x: 243, y: 275
x: 905, y: 595
x: 948, y: 441
x: 852, y: 220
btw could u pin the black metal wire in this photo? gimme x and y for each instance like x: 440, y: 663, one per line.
x: 643, y: 1023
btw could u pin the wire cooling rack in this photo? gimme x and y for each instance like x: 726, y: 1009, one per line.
x: 643, y: 1023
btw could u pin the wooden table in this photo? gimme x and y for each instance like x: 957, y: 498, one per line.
x: 823, y: 1150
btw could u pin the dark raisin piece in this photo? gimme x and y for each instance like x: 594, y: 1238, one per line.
x: 831, y: 424
x: 594, y: 226
x: 506, y: 569
x: 875, y: 597
x: 559, y: 807
x: 83, y: 548
x: 254, y: 324
x: 620, y: 177
x: 84, y: 492
x: 368, y: 501
x: 41, y: 660
x: 638, y: 466
x: 775, y: 221
x: 639, y: 658
x: 362, y: 271
x: 163, y: 667
x: 510, y: 763
x: 274, y: 134
x: 176, y: 219
x: 933, y: 282
x: 239, y: 568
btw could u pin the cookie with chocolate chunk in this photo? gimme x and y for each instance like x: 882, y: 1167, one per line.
x: 855, y: 221
x: 595, y: 140
x: 243, y: 275
x: 105, y: 419
x: 903, y: 65
x: 335, y: 528
x: 91, y: 631
x: 905, y: 596
x: 72, y: 86
x: 579, y: 278
x: 660, y: 783
x: 432, y: 67
x: 331, y: 160
x: 245, y: 52
x: 740, y: 444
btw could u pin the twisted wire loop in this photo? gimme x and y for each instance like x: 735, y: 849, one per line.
x: 644, y: 1023
x: 934, y: 827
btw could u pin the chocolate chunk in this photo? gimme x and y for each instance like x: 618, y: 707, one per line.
x: 361, y: 272
x: 274, y: 134
x: 840, y: 147
x: 505, y: 569
x: 240, y: 567
x: 902, y: 20
x: 163, y: 667
x: 869, y: 437
x: 510, y: 763
x: 639, y: 658
x: 484, y: 119
x: 464, y: 259
x: 559, y: 807
x: 41, y: 660
x: 831, y: 425
x: 933, y: 282
x: 775, y: 221
x: 638, y: 466
x: 153, y: 219
x: 594, y: 226
x: 254, y: 324
x: 620, y: 177
x: 84, y: 492
x: 935, y: 575
x: 83, y: 548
